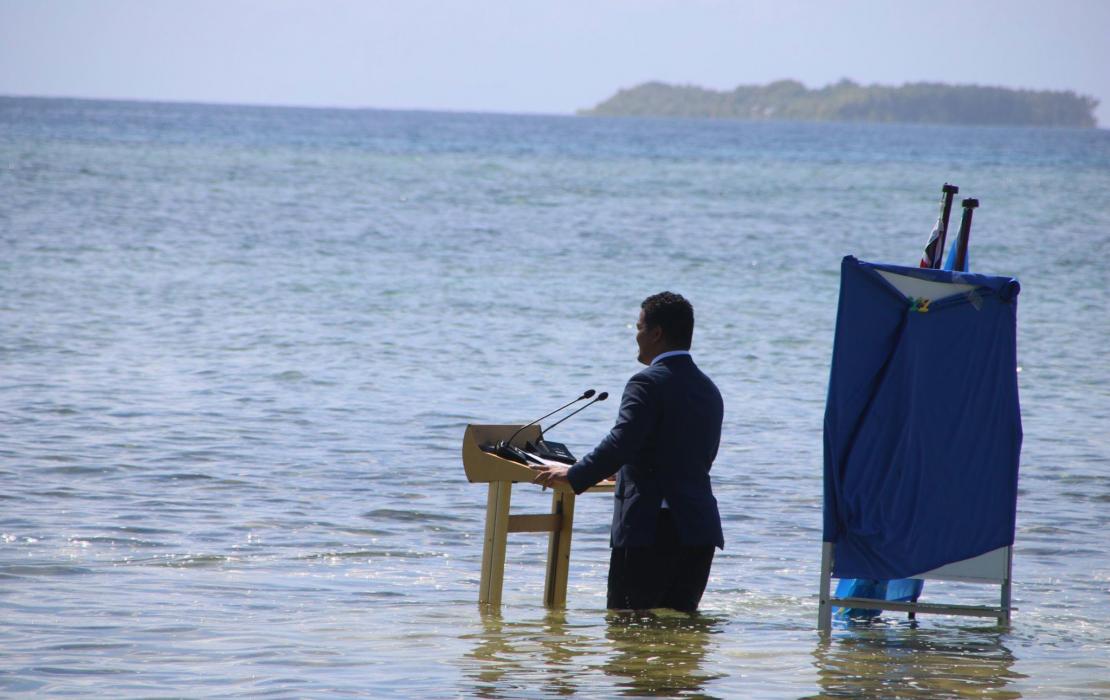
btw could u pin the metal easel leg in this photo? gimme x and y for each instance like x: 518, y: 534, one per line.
x: 1005, y: 602
x: 824, y: 608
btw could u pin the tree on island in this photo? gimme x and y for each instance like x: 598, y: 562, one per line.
x: 848, y: 101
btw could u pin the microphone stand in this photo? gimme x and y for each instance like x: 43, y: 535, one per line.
x: 557, y: 451
x: 506, y: 450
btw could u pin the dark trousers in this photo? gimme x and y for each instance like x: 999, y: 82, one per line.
x: 663, y: 575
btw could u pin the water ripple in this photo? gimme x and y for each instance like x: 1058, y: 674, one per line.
x: 240, y: 346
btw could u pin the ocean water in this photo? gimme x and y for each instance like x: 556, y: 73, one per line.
x: 239, y: 347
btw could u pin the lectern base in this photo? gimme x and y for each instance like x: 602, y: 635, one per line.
x: 558, y: 524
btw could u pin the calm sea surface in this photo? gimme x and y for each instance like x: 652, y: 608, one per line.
x: 239, y: 346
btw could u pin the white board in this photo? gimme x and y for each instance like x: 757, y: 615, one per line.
x: 992, y: 567
x: 918, y: 288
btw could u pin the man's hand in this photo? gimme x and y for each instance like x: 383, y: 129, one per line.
x: 551, y: 476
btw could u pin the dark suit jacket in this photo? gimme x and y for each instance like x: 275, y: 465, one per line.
x: 663, y: 445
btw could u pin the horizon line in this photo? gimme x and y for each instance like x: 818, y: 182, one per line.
x: 278, y: 105
x: 439, y: 110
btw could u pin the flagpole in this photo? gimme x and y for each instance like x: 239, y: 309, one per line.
x: 962, y: 237
x: 947, y: 193
x: 933, y: 255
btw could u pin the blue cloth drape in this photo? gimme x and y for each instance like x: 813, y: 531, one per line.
x: 922, y: 423
x: 900, y: 589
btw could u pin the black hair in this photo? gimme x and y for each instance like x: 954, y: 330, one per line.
x: 673, y: 314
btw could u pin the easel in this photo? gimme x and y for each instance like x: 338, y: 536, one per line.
x: 994, y: 567
x: 501, y: 474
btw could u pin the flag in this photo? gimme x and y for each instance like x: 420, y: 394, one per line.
x: 953, y: 253
x: 932, y: 251
x: 958, y: 256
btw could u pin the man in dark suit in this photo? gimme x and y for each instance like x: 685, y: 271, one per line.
x: 665, y: 519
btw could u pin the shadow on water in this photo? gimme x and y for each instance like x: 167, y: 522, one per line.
x: 660, y: 654
x: 515, y: 657
x: 905, y: 662
x: 644, y: 654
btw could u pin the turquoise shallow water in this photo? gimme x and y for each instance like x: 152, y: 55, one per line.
x: 239, y: 347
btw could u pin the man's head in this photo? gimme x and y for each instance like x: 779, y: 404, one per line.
x: 666, y: 323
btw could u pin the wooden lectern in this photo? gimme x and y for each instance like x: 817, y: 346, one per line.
x: 501, y: 474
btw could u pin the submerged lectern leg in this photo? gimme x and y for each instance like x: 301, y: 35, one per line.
x: 558, y: 550
x: 496, y: 538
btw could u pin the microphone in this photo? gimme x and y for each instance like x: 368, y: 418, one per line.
x: 600, y: 397
x: 557, y: 451
x: 585, y: 395
x: 506, y: 449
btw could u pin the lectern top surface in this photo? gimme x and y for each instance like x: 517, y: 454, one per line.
x: 481, y: 466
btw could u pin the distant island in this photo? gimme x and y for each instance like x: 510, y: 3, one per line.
x: 847, y: 101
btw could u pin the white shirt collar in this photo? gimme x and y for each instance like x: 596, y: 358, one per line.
x: 669, y: 353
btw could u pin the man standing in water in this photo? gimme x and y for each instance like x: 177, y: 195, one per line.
x: 665, y: 519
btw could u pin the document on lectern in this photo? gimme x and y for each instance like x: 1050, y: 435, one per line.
x: 543, y: 462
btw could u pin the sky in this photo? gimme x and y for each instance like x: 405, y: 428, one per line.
x: 527, y: 56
